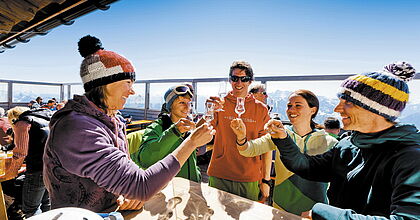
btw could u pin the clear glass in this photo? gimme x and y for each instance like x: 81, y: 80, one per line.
x: 192, y: 113
x: 209, y: 114
x: 240, y: 106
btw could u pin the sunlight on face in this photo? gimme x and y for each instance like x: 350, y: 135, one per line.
x: 116, y: 93
x: 298, y: 110
x: 181, y: 106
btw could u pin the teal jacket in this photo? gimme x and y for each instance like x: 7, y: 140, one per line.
x: 160, y: 139
x: 372, y: 176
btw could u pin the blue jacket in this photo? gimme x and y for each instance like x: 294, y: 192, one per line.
x: 372, y: 176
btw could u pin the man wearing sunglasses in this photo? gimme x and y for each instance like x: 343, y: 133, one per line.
x: 228, y: 170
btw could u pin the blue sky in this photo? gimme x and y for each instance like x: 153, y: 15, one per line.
x: 192, y: 38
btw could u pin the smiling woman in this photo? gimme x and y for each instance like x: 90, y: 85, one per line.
x: 88, y: 148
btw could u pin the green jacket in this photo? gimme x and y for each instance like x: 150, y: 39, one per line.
x: 160, y: 139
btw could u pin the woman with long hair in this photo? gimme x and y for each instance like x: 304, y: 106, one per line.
x: 291, y: 192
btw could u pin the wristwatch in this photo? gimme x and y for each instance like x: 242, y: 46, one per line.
x: 265, y: 181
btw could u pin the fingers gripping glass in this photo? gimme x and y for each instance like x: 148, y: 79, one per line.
x: 242, y: 78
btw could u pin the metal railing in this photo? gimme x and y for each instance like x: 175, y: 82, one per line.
x: 65, y: 89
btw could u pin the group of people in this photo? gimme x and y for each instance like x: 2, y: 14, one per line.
x: 372, y: 173
x: 51, y: 104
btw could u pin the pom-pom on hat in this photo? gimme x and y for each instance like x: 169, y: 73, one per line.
x: 101, y: 67
x: 383, y: 93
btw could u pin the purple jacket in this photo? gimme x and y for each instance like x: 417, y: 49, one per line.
x: 86, y: 164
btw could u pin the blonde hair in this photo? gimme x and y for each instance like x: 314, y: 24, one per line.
x: 14, y: 113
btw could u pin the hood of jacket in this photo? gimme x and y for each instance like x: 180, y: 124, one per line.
x: 400, y: 133
x: 82, y: 105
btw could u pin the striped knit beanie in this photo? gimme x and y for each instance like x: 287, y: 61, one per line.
x: 101, y: 67
x: 383, y: 93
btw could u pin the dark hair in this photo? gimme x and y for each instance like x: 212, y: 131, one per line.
x: 38, y: 98
x: 312, y: 101
x: 97, y: 96
x: 332, y: 123
x: 242, y: 65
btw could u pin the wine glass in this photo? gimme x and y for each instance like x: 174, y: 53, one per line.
x: 222, y: 93
x: 209, y: 114
x: 240, y: 106
x: 192, y: 113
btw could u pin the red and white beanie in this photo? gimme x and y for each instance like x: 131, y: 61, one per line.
x: 101, y: 67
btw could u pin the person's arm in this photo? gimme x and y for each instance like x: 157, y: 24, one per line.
x: 21, y: 139
x: 316, y: 168
x: 94, y: 156
x: 157, y: 144
x: 250, y: 148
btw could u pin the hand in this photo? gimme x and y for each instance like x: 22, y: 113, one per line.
x: 202, y: 135
x: 265, y: 190
x: 218, y: 102
x: 128, y: 204
x: 184, y: 125
x: 276, y: 129
x: 307, y: 214
x: 239, y: 128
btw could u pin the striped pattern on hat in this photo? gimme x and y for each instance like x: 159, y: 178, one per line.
x: 379, y: 92
x: 105, y: 67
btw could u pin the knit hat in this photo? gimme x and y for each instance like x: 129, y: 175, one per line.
x: 101, y: 67
x: 174, y: 92
x: 384, y: 93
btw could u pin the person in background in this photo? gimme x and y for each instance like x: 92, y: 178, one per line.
x: 38, y: 102
x: 228, y: 170
x: 332, y: 126
x: 375, y: 172
x: 60, y: 105
x: 86, y: 161
x: 292, y: 193
x: 30, y: 128
x: 260, y: 94
x: 4, y: 126
x: 50, y: 105
x: 165, y: 134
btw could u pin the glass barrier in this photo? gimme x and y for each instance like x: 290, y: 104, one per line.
x: 76, y: 90
x: 3, y: 92
x: 28, y: 92
x: 137, y: 100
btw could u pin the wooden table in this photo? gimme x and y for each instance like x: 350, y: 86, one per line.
x: 184, y: 199
x: 3, y: 211
x: 138, y: 125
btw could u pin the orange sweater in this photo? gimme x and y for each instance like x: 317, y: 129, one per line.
x: 226, y: 162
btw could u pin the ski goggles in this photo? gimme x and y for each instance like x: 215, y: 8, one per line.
x: 180, y: 90
x: 242, y: 78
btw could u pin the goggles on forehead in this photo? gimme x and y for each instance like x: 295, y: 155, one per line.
x: 242, y: 78
x: 180, y: 90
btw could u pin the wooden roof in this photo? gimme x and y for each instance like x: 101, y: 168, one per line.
x: 22, y: 19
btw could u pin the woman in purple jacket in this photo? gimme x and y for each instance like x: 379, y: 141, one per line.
x: 86, y: 161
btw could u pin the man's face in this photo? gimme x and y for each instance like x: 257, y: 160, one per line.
x: 355, y: 118
x: 261, y: 96
x: 239, y: 88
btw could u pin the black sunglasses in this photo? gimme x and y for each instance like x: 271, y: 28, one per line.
x: 242, y: 78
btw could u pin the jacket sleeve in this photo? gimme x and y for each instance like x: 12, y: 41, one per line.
x: 258, y: 146
x: 157, y: 144
x: 86, y: 149
x: 314, y: 168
